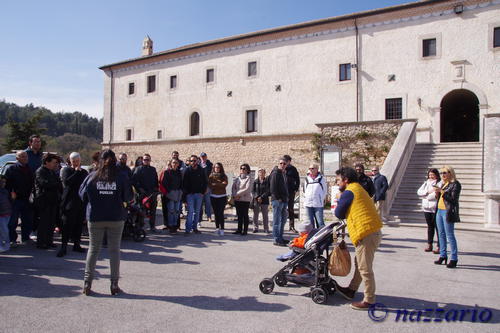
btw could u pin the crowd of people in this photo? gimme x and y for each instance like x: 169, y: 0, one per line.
x: 47, y: 197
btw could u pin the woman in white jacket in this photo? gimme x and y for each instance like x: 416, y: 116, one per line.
x: 242, y: 194
x: 314, y: 195
x: 426, y: 192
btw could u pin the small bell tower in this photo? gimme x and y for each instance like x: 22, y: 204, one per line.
x: 147, y: 46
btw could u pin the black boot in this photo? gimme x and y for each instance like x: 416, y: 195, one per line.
x: 292, y: 226
x: 452, y: 264
x: 440, y: 261
x: 62, y: 251
x: 78, y: 248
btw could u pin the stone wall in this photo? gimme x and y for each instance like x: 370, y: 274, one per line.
x: 366, y: 142
x: 262, y: 151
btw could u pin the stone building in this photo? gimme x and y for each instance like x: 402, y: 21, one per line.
x: 253, y: 97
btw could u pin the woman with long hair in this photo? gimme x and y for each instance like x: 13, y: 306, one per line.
x: 447, y: 214
x: 217, y: 183
x: 171, y: 193
x: 105, y: 191
x: 242, y: 194
x: 427, y: 193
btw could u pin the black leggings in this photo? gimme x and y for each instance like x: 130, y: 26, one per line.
x: 430, y: 218
x: 218, y: 205
x: 242, y: 212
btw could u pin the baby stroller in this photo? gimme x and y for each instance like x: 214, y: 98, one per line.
x: 311, y: 263
x: 134, y: 224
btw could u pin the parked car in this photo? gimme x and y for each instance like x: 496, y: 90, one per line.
x: 5, y: 161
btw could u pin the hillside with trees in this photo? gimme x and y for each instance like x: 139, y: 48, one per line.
x: 61, y: 132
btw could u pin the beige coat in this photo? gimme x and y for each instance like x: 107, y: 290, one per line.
x: 242, y: 189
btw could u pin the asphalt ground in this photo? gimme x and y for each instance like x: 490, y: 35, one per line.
x: 209, y: 283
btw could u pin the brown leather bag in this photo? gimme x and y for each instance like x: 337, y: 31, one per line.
x: 339, y: 263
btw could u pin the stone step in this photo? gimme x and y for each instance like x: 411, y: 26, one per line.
x: 474, y: 210
x: 408, y: 198
x: 421, y: 219
x: 464, y: 214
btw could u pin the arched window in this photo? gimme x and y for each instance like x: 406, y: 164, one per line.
x: 194, y: 124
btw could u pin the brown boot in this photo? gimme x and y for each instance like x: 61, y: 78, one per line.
x: 428, y: 248
x: 436, y: 251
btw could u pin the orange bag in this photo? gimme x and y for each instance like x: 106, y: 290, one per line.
x: 339, y: 263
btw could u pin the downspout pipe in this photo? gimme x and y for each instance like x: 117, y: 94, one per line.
x: 358, y: 112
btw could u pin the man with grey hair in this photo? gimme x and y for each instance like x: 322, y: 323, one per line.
x: 72, y: 206
x: 20, y: 180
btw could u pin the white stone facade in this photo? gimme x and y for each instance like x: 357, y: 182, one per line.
x: 297, y: 83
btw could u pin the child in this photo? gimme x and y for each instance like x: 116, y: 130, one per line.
x: 5, y: 211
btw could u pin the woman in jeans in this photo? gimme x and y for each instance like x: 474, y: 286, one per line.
x: 260, y: 195
x: 105, y: 191
x: 242, y: 194
x: 171, y: 193
x: 426, y: 192
x: 447, y: 195
x: 217, y: 182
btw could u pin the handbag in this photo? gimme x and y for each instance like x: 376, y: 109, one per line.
x: 339, y: 263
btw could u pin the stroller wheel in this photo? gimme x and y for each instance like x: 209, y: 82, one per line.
x: 319, y: 295
x: 280, y: 280
x: 266, y: 286
x: 139, y: 235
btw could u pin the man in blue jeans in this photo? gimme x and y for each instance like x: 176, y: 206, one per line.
x: 195, y: 185
x: 279, y: 201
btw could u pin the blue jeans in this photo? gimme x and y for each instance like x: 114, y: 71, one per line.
x: 280, y: 215
x: 316, y: 213
x: 446, y: 231
x: 173, y: 213
x: 194, y: 201
x: 4, y: 233
x: 208, y: 205
x: 24, y: 209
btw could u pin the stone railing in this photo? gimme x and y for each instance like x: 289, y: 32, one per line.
x: 490, y: 184
x: 397, y: 160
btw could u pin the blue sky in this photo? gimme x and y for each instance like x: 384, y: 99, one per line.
x: 50, y: 50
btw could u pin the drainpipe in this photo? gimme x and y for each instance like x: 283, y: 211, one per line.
x: 111, y: 111
x: 358, y: 113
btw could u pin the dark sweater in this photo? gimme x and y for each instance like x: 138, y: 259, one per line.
x: 367, y: 184
x: 278, y: 185
x: 72, y: 180
x: 105, y: 199
x: 48, y: 187
x: 145, y: 179
x: 123, y: 168
x: 195, y: 181
x: 292, y: 179
x: 172, y: 180
x: 261, y: 190
x: 19, y: 180
x: 34, y: 159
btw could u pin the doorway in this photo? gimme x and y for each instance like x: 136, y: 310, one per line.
x: 460, y: 116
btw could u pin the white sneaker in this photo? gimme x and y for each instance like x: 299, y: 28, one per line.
x: 33, y: 236
x: 199, y: 224
x: 221, y: 232
x: 217, y: 231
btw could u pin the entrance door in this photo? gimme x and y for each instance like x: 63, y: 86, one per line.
x: 460, y: 117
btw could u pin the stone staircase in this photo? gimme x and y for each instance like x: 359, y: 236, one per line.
x: 466, y: 159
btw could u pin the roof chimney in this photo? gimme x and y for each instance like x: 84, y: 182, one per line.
x: 147, y: 46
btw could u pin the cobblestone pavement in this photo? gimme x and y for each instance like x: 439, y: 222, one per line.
x: 209, y: 283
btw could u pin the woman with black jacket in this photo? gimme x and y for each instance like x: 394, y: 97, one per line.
x: 260, y: 195
x: 171, y: 194
x: 72, y: 207
x: 447, y: 195
x: 105, y: 192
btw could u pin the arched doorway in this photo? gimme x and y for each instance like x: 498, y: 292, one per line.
x: 460, y: 116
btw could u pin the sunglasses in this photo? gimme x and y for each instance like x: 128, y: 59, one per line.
x: 243, y: 168
x: 443, y: 173
x: 146, y: 159
x: 193, y: 160
x: 282, y: 163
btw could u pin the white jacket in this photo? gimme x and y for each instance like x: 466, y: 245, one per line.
x: 427, y: 194
x: 315, y: 191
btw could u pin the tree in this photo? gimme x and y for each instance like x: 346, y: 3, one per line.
x: 19, y: 132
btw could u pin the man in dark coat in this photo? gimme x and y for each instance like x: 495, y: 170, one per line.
x: 279, y: 200
x: 123, y: 167
x: 145, y: 181
x: 20, y: 181
x: 380, y: 184
x: 72, y: 206
x: 48, y: 190
x: 293, y: 184
x: 364, y: 180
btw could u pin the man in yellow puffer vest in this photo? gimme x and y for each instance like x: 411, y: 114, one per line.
x: 363, y: 225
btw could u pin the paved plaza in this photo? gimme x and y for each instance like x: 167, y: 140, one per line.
x: 209, y: 283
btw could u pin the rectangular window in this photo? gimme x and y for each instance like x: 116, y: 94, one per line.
x: 344, y: 72
x: 394, y: 108
x: 210, y: 75
x: 128, y: 134
x: 429, y: 47
x: 159, y: 134
x: 173, y: 81
x: 151, y: 83
x: 252, y: 68
x: 496, y: 37
x: 251, y: 121
x: 131, y: 88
